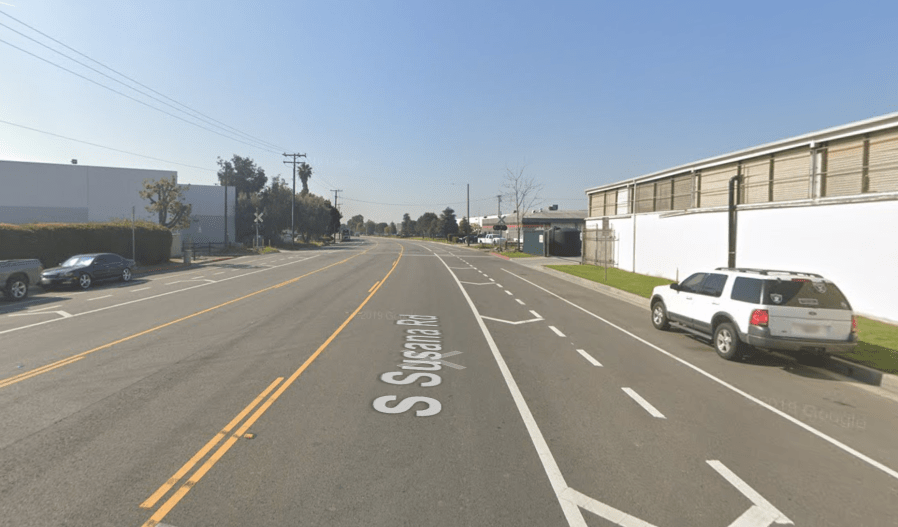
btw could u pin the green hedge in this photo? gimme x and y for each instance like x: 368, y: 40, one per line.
x: 52, y: 243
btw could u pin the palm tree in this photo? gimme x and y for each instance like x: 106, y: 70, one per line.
x: 304, y: 171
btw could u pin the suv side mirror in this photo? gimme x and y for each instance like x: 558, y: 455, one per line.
x: 675, y: 287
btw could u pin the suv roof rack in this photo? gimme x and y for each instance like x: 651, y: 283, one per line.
x: 766, y: 271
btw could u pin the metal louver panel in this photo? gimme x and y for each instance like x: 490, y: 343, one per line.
x: 645, y: 197
x: 596, y: 204
x: 662, y: 194
x: 714, y: 191
x: 791, y: 175
x: 883, y: 166
x: 756, y: 180
x: 611, y: 203
x: 682, y: 192
x: 844, y: 168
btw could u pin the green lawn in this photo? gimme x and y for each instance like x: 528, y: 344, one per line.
x: 878, y: 341
x: 515, y: 254
x: 877, y: 346
x: 631, y: 282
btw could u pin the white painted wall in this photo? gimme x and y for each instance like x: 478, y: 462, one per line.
x: 853, y: 244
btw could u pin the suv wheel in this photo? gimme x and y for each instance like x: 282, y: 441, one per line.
x: 727, y: 343
x: 659, y: 316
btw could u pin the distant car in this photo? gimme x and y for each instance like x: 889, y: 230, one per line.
x: 492, y: 239
x: 470, y: 238
x: 83, y: 270
x: 740, y: 308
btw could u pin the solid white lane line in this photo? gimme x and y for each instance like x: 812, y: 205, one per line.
x: 838, y: 444
x: 588, y: 357
x: 98, y: 297
x: 519, y: 301
x: 557, y: 332
x: 643, y: 403
x: 537, y: 315
x: 553, y: 472
x: 136, y: 290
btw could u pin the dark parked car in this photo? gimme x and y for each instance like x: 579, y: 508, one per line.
x: 84, y: 269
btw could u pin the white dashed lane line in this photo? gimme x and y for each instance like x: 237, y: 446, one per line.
x: 507, y: 292
x: 519, y: 301
x: 534, y: 313
x: 643, y: 403
x: 141, y: 289
x: 588, y: 357
x: 557, y: 332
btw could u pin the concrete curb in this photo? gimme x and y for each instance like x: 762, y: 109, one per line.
x: 858, y: 372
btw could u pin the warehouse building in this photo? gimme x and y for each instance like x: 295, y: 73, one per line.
x: 72, y: 193
x: 824, y: 202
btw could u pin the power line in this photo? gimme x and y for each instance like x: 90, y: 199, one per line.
x: 105, y: 147
x: 134, y: 99
x: 202, y: 117
x: 413, y: 204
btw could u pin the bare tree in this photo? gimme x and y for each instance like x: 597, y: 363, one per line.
x: 523, y: 192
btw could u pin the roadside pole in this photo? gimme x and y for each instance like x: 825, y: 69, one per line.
x: 133, y: 238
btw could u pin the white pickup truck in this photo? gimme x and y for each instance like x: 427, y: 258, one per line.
x: 491, y: 239
x: 16, y: 276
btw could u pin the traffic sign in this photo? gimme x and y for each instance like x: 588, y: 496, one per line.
x: 259, y: 217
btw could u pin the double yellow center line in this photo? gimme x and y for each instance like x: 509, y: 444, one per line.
x: 166, y: 507
x: 69, y: 360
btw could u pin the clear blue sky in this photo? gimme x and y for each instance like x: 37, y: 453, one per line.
x: 406, y: 102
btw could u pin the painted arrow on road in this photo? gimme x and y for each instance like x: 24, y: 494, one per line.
x: 537, y: 319
x: 762, y: 513
x: 63, y: 314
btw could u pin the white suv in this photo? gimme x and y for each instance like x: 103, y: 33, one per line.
x: 774, y: 310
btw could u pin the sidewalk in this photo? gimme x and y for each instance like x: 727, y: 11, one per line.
x: 841, y: 367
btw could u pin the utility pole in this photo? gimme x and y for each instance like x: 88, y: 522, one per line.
x: 468, y: 214
x: 338, y: 210
x: 335, y: 198
x: 293, y: 200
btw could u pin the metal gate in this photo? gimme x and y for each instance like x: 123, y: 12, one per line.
x: 599, y: 247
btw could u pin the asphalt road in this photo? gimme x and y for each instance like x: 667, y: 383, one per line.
x: 387, y: 382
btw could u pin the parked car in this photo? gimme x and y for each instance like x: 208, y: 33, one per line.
x: 491, y: 239
x: 470, y: 238
x: 83, y: 270
x: 739, y: 309
x: 16, y: 276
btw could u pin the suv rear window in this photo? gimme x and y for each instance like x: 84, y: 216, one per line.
x: 747, y: 290
x: 804, y: 293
